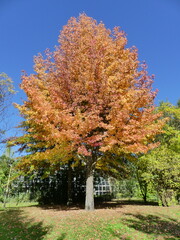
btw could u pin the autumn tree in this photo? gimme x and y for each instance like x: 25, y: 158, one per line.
x: 90, y: 96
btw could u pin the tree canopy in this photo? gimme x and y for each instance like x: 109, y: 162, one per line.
x: 90, y: 96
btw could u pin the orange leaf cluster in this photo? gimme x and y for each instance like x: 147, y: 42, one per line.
x: 91, y: 92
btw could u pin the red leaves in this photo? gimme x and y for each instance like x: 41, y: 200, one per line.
x: 83, y: 151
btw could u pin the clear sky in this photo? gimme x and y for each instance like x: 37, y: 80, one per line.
x: 28, y: 27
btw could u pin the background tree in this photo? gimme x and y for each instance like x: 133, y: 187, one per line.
x: 90, y: 96
x: 161, y: 166
x: 7, y: 174
x: 3, y: 175
x: 6, y: 91
x: 141, y: 171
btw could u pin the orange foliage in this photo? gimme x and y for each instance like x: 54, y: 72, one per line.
x: 91, y: 92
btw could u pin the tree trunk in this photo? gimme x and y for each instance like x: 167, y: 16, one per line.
x: 89, y: 202
x: 143, y: 187
x: 7, y: 187
x: 145, y: 198
x: 145, y: 193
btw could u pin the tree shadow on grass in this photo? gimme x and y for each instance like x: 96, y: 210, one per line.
x: 15, y: 226
x: 98, y: 205
x: 156, y: 225
x: 62, y: 237
x: 76, y: 207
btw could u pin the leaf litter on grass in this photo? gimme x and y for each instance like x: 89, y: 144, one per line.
x: 130, y: 222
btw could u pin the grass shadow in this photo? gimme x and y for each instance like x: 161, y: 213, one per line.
x: 62, y: 237
x: 151, y: 224
x: 98, y: 205
x: 14, y: 225
x: 137, y: 202
x: 103, y: 205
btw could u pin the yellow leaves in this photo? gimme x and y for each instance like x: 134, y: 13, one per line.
x: 111, y: 80
x: 110, y: 69
x: 52, y: 156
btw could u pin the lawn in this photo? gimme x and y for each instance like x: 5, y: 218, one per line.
x: 111, y: 221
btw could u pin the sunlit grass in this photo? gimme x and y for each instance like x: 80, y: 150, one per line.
x: 14, y: 204
x: 110, y: 222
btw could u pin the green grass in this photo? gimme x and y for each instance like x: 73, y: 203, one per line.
x: 14, y: 204
x: 112, y: 221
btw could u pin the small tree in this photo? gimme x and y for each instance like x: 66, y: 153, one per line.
x: 144, y: 177
x: 161, y: 166
x: 6, y: 173
x: 6, y: 91
x: 90, y: 96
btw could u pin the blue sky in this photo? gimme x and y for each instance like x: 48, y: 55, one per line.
x: 153, y: 26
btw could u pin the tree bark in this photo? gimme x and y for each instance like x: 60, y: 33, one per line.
x: 89, y: 202
x: 7, y: 187
x: 143, y: 187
